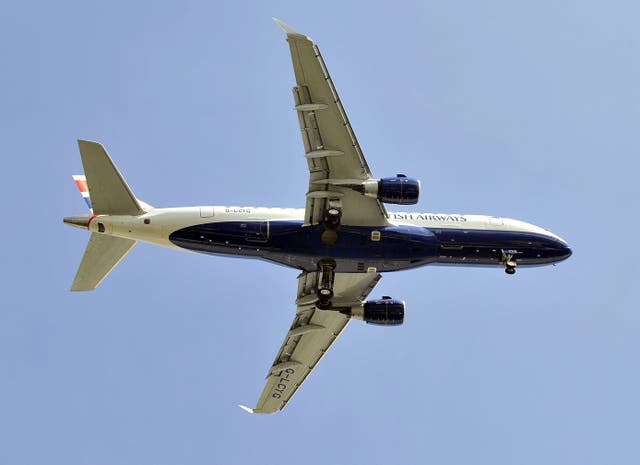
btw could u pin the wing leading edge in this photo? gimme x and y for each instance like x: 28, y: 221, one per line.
x: 310, y: 336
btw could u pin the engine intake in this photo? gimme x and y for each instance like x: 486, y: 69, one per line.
x: 398, y: 190
x: 385, y: 312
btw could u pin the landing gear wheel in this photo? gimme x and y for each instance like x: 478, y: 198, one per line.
x: 509, y: 260
x: 332, y: 218
x: 324, y: 298
x: 323, y: 305
x: 325, y: 293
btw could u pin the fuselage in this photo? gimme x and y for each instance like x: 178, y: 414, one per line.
x: 279, y: 235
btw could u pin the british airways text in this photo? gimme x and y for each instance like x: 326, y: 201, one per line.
x: 429, y: 217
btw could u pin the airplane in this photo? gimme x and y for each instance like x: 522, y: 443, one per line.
x: 340, y: 242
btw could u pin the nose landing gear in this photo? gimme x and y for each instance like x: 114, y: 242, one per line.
x: 509, y: 260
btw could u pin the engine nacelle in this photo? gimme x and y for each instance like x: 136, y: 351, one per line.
x: 385, y: 312
x: 399, y: 190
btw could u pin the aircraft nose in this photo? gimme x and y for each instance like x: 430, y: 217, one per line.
x: 563, y: 251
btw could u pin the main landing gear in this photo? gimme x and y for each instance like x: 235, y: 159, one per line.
x: 509, y: 260
x: 327, y: 268
x: 331, y: 223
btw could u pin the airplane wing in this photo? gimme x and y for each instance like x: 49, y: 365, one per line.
x: 331, y: 148
x: 311, y: 335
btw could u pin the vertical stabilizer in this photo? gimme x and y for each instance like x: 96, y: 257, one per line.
x: 110, y: 194
x: 102, y: 255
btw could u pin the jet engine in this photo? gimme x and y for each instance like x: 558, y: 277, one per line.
x: 399, y: 190
x: 383, y: 312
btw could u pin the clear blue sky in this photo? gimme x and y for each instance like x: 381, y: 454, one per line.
x: 520, y: 109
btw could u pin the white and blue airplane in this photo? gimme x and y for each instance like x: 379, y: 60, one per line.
x: 341, y: 241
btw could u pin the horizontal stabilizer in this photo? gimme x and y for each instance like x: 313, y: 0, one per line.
x: 110, y: 194
x: 102, y: 255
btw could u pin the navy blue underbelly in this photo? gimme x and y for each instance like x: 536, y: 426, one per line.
x: 399, y: 247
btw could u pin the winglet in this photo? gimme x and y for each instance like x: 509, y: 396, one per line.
x: 288, y: 29
x: 246, y: 409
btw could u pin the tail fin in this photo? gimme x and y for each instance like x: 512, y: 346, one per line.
x: 110, y: 194
x: 102, y: 255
